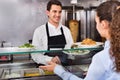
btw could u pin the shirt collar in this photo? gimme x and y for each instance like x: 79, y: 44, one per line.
x: 107, y: 44
x: 52, y: 26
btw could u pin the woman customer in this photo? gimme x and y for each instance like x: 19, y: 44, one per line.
x: 106, y: 63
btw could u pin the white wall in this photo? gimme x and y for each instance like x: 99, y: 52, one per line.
x: 19, y: 18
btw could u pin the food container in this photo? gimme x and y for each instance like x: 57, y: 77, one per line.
x: 33, y: 72
x: 8, y: 73
x: 1, y: 72
x: 48, y: 72
x: 23, y: 73
x: 14, y: 49
x: 78, y: 53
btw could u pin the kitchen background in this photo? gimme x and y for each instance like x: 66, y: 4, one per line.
x: 19, y: 18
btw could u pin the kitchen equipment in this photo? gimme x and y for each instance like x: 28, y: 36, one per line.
x: 9, y: 57
x: 5, y: 58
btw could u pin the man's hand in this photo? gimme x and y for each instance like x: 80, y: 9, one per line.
x: 50, y: 67
x: 56, y: 60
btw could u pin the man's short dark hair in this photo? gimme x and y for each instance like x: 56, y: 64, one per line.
x: 53, y: 2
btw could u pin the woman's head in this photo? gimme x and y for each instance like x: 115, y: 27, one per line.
x: 106, y: 10
x: 104, y: 14
x: 115, y: 38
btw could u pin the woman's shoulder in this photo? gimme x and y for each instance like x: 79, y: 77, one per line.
x: 102, y: 54
x: 103, y: 57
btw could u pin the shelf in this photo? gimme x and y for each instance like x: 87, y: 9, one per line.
x: 9, y: 51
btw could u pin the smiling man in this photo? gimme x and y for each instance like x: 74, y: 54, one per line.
x: 51, y: 36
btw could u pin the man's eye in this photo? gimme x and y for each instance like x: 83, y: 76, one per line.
x: 60, y: 12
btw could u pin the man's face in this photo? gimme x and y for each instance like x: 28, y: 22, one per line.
x: 54, y: 14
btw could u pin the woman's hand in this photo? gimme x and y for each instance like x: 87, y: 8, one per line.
x: 50, y: 67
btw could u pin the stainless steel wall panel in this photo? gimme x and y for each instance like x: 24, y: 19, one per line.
x: 88, y: 27
x: 83, y: 31
x: 93, y: 31
x: 93, y: 24
x: 64, y: 17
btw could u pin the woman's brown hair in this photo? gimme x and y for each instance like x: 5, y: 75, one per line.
x: 106, y: 10
x: 115, y: 39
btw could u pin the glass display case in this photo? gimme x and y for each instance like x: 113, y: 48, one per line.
x: 16, y: 50
x: 80, y: 56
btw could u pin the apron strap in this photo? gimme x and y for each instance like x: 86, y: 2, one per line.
x: 47, y: 30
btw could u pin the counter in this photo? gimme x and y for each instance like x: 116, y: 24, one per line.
x: 21, y: 62
x: 30, y: 65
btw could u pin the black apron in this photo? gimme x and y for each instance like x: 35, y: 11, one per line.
x: 57, y: 41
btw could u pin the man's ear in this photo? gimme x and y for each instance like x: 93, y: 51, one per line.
x: 105, y: 24
x: 47, y: 12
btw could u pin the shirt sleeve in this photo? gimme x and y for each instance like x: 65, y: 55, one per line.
x: 40, y: 58
x: 65, y: 75
x: 40, y: 42
x: 96, y: 71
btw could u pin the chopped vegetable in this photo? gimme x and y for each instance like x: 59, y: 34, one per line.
x: 26, y: 45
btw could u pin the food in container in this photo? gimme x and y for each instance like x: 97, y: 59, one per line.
x: 12, y: 75
x: 8, y: 73
x: 29, y: 72
x: 33, y: 72
x: 48, y: 72
x: 88, y: 41
x: 36, y: 72
x: 77, y: 52
x: 26, y: 45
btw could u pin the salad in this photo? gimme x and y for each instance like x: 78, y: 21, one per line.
x: 26, y: 45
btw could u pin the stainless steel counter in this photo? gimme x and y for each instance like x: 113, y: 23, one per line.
x: 24, y: 65
x: 75, y: 69
x: 18, y: 65
x: 78, y: 65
